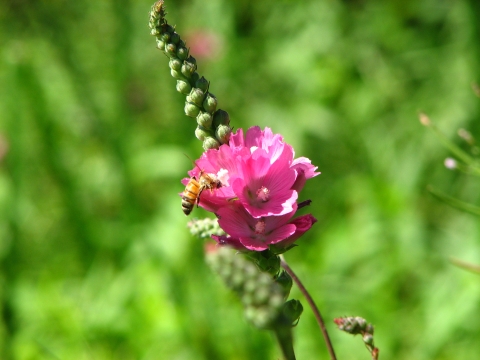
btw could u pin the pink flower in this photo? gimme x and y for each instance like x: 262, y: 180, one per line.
x: 257, y: 169
x: 258, y: 234
x: 260, y: 181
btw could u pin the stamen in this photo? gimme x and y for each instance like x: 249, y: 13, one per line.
x: 263, y: 194
x: 260, y: 227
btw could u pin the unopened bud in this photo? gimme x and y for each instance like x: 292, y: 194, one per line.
x: 183, y: 87
x: 195, y: 77
x: 286, y: 282
x: 174, y: 38
x: 368, y: 339
x: 169, y: 29
x: 202, y: 133
x: 210, y: 103
x: 171, y: 50
x: 175, y: 64
x: 210, y: 143
x: 161, y: 44
x: 165, y: 37
x: 196, y: 96
x: 191, y: 110
x: 189, y: 66
x: 177, y: 75
x: 188, y: 69
x: 182, y: 52
x: 202, y: 84
x: 222, y: 133
x: 204, y: 119
x: 292, y: 310
x: 220, y: 117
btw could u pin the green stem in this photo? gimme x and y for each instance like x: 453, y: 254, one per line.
x: 285, y: 340
x: 313, y: 306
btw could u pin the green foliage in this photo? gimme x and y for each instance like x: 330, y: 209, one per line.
x: 96, y: 259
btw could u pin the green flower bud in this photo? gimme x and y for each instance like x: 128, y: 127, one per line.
x: 181, y: 43
x: 169, y: 29
x: 191, y: 110
x: 204, y: 119
x: 196, y: 96
x: 188, y: 68
x: 171, y: 50
x: 368, y: 339
x: 210, y: 103
x: 174, y: 38
x: 204, y: 228
x: 183, y: 87
x: 182, y: 52
x: 202, y: 133
x: 195, y: 77
x: 286, y: 282
x: 203, y: 84
x: 177, y: 75
x: 161, y: 44
x: 220, y: 117
x: 210, y: 143
x: 222, y: 133
x: 165, y: 37
x: 292, y: 310
x: 175, y: 64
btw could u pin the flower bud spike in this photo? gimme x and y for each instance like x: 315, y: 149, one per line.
x: 184, y: 69
x: 260, y: 294
x: 356, y: 325
x: 205, y: 228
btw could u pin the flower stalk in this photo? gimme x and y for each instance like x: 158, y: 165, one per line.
x: 313, y: 306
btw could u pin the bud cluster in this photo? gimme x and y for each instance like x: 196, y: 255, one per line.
x: 262, y: 296
x: 212, y: 123
x: 205, y: 228
x: 356, y: 325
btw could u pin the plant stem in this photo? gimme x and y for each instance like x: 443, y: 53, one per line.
x: 314, y: 308
x: 285, y: 340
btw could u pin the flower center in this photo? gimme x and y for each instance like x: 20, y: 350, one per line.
x: 222, y: 176
x: 263, y: 194
x: 260, y: 227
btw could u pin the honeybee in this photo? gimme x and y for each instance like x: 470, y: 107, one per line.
x: 194, y: 188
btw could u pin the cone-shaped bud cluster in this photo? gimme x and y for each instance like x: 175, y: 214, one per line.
x: 205, y: 228
x: 200, y: 103
x: 262, y: 297
x: 356, y: 325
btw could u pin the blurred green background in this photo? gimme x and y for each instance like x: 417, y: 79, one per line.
x: 96, y: 259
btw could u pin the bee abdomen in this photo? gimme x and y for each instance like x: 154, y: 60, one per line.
x: 190, y: 196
